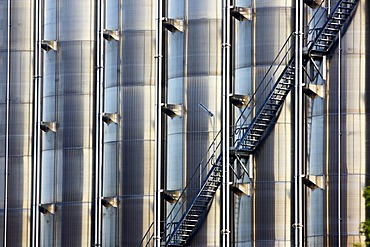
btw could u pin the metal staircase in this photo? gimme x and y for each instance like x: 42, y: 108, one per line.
x: 195, y: 214
x: 328, y: 34
x: 186, y: 216
x: 251, y: 128
x: 248, y: 136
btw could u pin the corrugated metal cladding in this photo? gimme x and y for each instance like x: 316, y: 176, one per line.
x: 192, y: 77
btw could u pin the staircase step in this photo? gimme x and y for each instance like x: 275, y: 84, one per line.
x: 332, y: 29
x: 342, y: 13
x: 256, y: 135
x: 325, y: 40
x: 347, y: 8
x: 338, y: 18
x: 329, y: 34
x: 321, y: 45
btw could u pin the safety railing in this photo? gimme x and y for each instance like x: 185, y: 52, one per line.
x: 264, y: 89
x: 193, y: 186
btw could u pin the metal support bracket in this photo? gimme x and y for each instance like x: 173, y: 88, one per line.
x: 111, y: 35
x: 242, y: 189
x: 173, y: 25
x: 173, y: 110
x: 240, y: 100
x: 48, y: 126
x: 49, y: 45
x: 241, y: 13
x: 109, y: 118
x: 314, y: 4
x: 313, y: 91
x: 171, y: 196
x: 314, y: 181
x: 110, y: 202
x: 47, y: 208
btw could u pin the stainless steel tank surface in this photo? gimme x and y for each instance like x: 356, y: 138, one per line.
x: 68, y: 100
x: 336, y: 212
x: 16, y: 73
x: 77, y: 154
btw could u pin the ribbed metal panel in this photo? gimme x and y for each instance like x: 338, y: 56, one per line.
x: 322, y: 206
x: 244, y: 46
x: 18, y: 227
x: 274, y: 161
x: 3, y: 84
x: 68, y: 97
x: 194, y: 77
x: 129, y: 145
x: 354, y: 138
x: 112, y: 137
x: 20, y: 119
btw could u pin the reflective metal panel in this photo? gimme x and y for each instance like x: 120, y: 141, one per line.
x: 342, y: 191
x: 3, y: 96
x: 20, y: 120
x: 353, y: 159
x: 68, y: 100
x: 243, y: 85
x: 129, y: 145
x: 272, y: 204
x: 194, y: 78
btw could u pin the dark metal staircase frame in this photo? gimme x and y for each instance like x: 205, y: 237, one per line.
x: 252, y: 127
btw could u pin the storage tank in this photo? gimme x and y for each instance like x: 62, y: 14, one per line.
x: 244, y: 84
x: 315, y: 203
x: 129, y: 145
x: 274, y: 160
x: 16, y: 124
x: 69, y: 105
x: 70, y: 175
x: 194, y: 82
x: 339, y: 140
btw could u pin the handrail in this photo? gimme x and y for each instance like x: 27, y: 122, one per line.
x: 315, y: 28
x: 261, y: 89
x: 253, y: 106
x: 178, y: 207
x: 321, y: 30
x: 145, y: 236
x: 314, y: 16
x: 193, y: 200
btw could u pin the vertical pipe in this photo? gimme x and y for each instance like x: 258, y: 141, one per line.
x: 6, y: 179
x: 226, y: 47
x: 298, y: 132
x: 254, y: 76
x: 339, y: 136
x: 99, y: 123
x: 158, y: 127
x: 37, y: 134
x: 301, y: 139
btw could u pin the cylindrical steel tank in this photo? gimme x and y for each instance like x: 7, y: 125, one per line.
x: 315, y: 229
x: 112, y: 144
x: 271, y: 216
x: 194, y: 79
x: 69, y: 100
x: 129, y: 145
x: 243, y: 57
x: 16, y: 71
x: 340, y: 208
